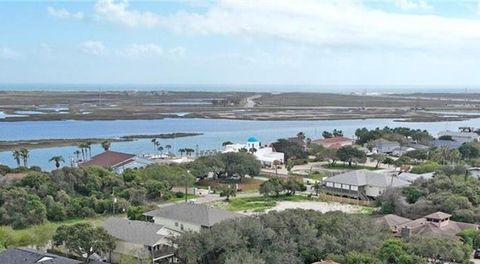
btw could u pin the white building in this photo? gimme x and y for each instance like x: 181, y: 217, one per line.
x: 266, y: 155
x: 460, y: 136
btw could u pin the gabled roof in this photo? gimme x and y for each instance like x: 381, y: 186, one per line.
x: 137, y: 232
x: 364, y: 177
x: 108, y: 159
x: 30, y: 256
x: 199, y: 214
x: 393, y: 221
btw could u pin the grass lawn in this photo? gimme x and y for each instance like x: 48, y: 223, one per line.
x: 39, y: 235
x: 346, y: 167
x: 261, y: 203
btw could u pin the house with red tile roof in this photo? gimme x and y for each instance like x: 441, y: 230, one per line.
x: 116, y: 161
x: 334, y: 142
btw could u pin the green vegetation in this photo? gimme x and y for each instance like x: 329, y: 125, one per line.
x: 38, y: 235
x: 300, y: 236
x: 70, y: 193
x: 84, y: 240
x: 450, y: 191
x: 225, y: 165
x: 399, y: 134
x: 260, y: 204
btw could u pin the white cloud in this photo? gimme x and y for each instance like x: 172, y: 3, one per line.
x: 412, y: 4
x: 326, y: 23
x: 118, y: 12
x: 93, y: 47
x: 7, y: 53
x: 142, y: 50
x: 64, y: 13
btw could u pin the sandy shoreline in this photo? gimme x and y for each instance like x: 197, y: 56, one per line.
x: 49, y: 143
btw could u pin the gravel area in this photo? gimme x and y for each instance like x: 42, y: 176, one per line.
x: 318, y: 206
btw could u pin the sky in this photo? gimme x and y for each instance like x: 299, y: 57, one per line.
x: 241, y: 42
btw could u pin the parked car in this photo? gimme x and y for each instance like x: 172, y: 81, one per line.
x: 476, y: 254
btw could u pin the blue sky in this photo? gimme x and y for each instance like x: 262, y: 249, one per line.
x: 238, y: 42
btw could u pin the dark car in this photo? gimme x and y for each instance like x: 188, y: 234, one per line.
x: 476, y: 254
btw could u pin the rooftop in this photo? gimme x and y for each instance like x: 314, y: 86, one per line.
x: 199, y: 214
x: 365, y: 177
x: 438, y: 215
x: 252, y: 139
x: 108, y: 159
x: 332, y: 140
x: 138, y: 232
x: 30, y: 256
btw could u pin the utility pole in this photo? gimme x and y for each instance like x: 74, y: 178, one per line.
x: 186, y: 189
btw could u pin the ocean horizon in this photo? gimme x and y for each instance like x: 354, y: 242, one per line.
x: 267, y: 88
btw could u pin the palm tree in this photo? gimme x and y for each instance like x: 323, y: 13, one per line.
x: 57, y: 160
x: 82, y: 147
x: 106, y: 145
x: 24, y: 155
x: 16, y: 156
x: 160, y: 149
x: 181, y: 151
x: 156, y: 144
x: 77, y: 153
x: 88, y: 145
x: 301, y: 135
x: 168, y: 147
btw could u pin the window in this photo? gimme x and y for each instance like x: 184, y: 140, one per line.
x: 329, y: 184
x: 353, y: 188
x: 176, y: 224
x: 338, y: 185
x: 181, y: 227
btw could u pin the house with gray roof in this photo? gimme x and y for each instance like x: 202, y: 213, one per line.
x: 189, y: 216
x: 143, y: 240
x: 30, y: 256
x: 383, y: 146
x: 362, y: 184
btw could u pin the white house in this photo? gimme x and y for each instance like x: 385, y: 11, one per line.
x: 266, y: 155
x: 460, y: 136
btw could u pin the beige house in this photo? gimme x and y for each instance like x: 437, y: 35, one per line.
x: 189, y: 216
x: 361, y: 184
x: 140, y: 239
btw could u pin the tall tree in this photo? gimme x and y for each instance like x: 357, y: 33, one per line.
x: 351, y: 154
x: 57, y: 160
x: 24, y: 155
x: 84, y: 240
x: 17, y: 156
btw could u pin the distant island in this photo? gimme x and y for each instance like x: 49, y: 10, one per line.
x: 7, y: 145
x: 151, y: 105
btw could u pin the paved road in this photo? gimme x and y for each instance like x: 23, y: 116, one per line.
x: 250, y: 101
